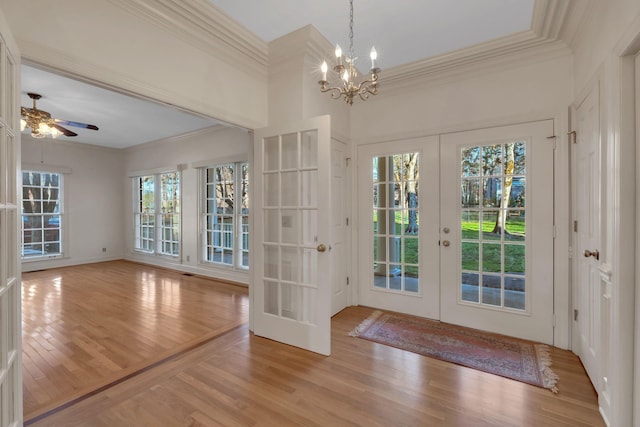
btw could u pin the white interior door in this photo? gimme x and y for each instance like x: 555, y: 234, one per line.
x: 340, y: 297
x: 399, y: 226
x: 587, y: 186
x: 292, y: 234
x: 497, y: 230
x: 10, y: 312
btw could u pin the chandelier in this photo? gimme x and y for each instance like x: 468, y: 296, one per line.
x: 348, y: 87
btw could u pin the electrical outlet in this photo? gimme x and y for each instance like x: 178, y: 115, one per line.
x: 104, y: 250
x: 188, y: 258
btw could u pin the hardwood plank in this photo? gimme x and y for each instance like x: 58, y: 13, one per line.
x: 241, y: 379
x: 87, y: 326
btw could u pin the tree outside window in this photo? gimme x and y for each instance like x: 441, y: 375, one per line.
x: 41, y: 214
x: 225, y: 215
x: 157, y: 213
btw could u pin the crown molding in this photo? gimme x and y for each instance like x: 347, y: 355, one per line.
x: 200, y: 23
x: 483, y: 64
x: 549, y: 17
x: 177, y: 138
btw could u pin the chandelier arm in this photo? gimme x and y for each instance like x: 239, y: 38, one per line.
x: 336, y: 92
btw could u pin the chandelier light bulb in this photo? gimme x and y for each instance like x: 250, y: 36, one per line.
x: 324, y: 67
x: 23, y: 124
x: 339, y: 54
x: 374, y: 56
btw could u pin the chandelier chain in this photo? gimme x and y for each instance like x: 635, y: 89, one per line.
x: 351, y: 29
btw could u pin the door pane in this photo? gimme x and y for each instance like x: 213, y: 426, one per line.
x: 309, y: 149
x: 493, y: 225
x: 271, y: 154
x: 290, y: 151
x: 395, y: 210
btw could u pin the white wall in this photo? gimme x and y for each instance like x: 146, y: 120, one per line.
x: 610, y: 31
x: 294, y: 71
x: 218, y: 145
x: 92, y: 195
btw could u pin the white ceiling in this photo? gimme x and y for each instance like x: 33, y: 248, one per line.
x: 402, y: 31
x: 123, y: 120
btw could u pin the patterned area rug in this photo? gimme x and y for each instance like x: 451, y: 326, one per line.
x: 513, y: 358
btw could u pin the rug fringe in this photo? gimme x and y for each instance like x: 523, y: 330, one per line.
x: 549, y: 378
x: 365, y: 324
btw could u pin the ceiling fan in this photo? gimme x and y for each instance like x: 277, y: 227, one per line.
x: 42, y: 124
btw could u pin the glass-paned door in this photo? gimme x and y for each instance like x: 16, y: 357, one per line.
x: 399, y: 253
x: 10, y: 219
x: 291, y: 296
x: 497, y: 230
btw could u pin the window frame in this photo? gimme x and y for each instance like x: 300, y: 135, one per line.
x: 156, y: 216
x: 58, y: 212
x: 239, y: 247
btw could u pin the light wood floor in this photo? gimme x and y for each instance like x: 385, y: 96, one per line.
x: 87, y: 326
x: 238, y: 379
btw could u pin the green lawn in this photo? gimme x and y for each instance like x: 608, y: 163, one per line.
x: 492, y: 249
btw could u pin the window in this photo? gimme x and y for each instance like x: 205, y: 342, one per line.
x: 157, y: 213
x: 225, y: 215
x: 41, y: 214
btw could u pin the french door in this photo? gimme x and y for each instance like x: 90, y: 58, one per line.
x: 497, y: 257
x: 10, y: 311
x: 398, y: 187
x: 291, y: 285
x: 478, y: 250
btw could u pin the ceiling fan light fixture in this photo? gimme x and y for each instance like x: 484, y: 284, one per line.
x: 43, y: 125
x: 35, y: 133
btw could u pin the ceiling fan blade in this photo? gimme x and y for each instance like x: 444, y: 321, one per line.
x: 77, y: 124
x: 65, y: 131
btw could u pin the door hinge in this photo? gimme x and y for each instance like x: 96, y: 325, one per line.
x: 575, y: 314
x: 347, y: 280
x: 574, y: 135
x: 347, y: 221
x: 575, y: 226
x: 554, y: 320
x: 554, y: 232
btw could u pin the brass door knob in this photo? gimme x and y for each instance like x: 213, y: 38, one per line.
x: 321, y: 247
x: 445, y: 243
